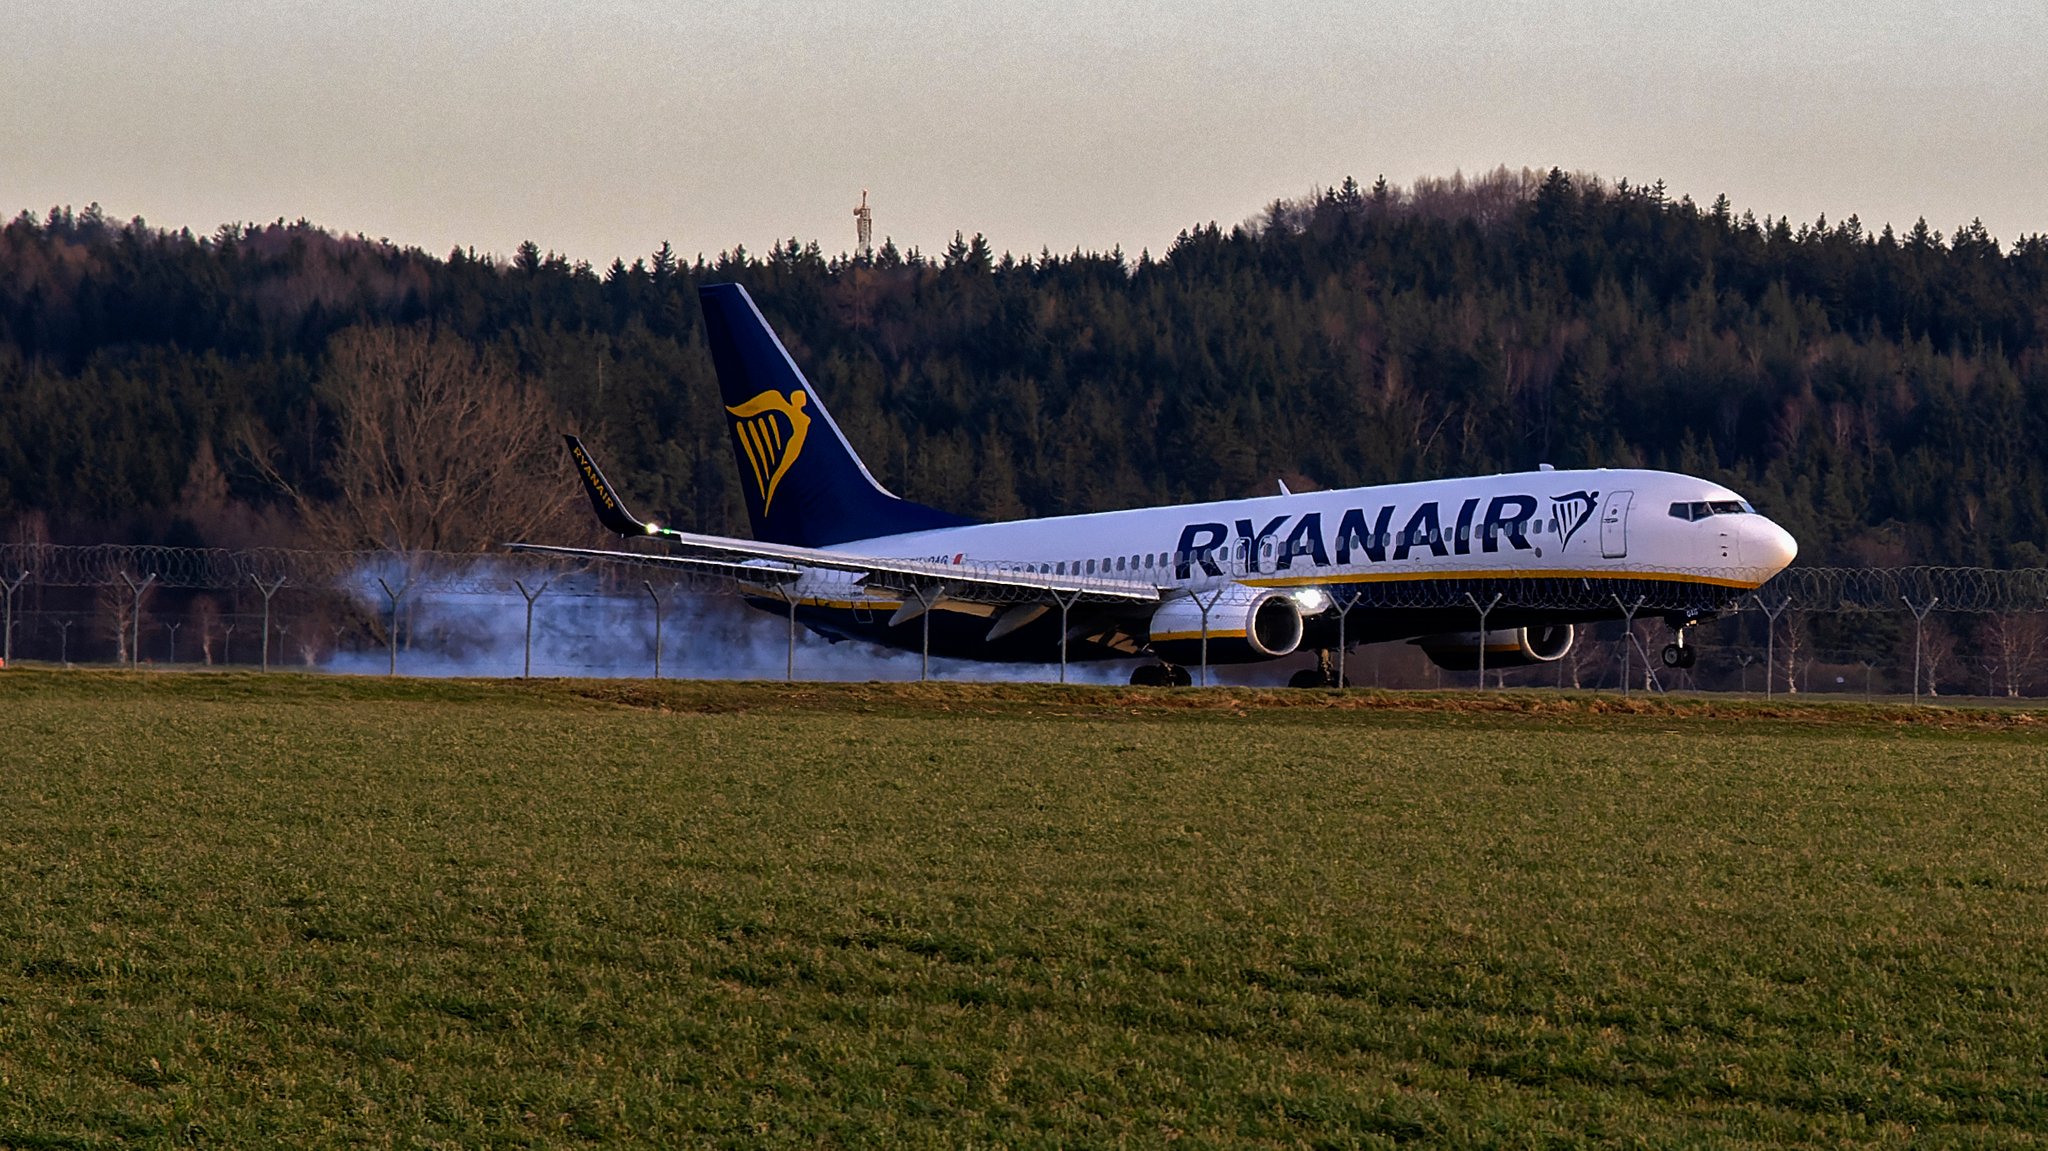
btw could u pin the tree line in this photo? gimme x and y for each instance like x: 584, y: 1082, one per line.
x: 1882, y: 393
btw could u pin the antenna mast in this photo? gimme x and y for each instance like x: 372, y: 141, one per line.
x: 863, y: 229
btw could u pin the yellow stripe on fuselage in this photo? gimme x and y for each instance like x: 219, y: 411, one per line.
x: 1418, y: 577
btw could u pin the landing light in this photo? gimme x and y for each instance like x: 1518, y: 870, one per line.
x: 652, y: 528
x: 1312, y: 600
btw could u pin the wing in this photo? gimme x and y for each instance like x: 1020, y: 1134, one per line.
x: 751, y: 561
x: 770, y: 574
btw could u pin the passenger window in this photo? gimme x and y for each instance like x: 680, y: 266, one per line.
x: 1091, y: 567
x: 1119, y: 563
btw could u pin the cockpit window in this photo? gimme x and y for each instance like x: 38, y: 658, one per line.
x: 1701, y: 509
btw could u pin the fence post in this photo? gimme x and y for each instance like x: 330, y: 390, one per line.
x: 649, y: 585
x: 789, y: 666
x: 1919, y: 618
x: 394, y: 597
x: 7, y: 645
x: 1771, y: 639
x: 268, y: 591
x: 1628, y: 634
x: 173, y: 629
x: 1483, y: 613
x: 1204, y: 607
x: 924, y: 654
x: 527, y: 671
x: 1343, y: 614
x: 1065, y: 602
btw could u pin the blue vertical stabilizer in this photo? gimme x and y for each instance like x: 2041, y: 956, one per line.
x: 804, y: 485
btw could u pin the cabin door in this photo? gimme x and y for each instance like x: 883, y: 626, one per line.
x: 1614, y: 525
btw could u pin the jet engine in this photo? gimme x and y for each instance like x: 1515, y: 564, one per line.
x: 1245, y: 625
x: 1505, y: 647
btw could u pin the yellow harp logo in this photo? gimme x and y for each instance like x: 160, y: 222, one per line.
x: 771, y: 429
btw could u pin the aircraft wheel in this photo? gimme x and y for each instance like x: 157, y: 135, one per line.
x: 1688, y: 656
x: 1149, y: 675
x: 1177, y: 676
x: 1674, y: 655
x: 1308, y: 677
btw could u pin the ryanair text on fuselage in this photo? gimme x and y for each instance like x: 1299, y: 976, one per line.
x: 1505, y: 523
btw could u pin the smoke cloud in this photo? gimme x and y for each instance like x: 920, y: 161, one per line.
x: 587, y: 625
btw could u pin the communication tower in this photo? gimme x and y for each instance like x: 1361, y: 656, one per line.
x: 863, y: 229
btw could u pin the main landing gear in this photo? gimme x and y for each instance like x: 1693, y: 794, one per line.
x: 1323, y: 674
x: 1676, y: 654
x: 1161, y: 675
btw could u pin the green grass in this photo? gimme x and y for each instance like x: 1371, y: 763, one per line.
x: 238, y: 910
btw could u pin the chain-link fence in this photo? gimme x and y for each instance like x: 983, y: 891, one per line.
x: 1898, y: 630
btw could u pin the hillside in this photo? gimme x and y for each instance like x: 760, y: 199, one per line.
x: 1883, y: 393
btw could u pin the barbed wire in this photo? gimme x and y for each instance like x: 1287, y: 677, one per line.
x: 1800, y: 588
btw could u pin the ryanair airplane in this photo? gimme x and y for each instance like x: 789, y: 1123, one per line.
x: 1526, y: 556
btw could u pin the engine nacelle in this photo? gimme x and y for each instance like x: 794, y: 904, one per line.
x: 1505, y: 647
x: 1245, y: 625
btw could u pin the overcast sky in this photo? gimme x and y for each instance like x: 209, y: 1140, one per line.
x: 601, y: 129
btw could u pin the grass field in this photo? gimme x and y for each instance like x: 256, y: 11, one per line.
x: 240, y: 911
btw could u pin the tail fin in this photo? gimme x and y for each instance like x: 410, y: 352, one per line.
x: 804, y: 485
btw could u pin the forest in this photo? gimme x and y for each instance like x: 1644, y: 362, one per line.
x: 1882, y: 393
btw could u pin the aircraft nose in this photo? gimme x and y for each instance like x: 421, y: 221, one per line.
x: 1768, y: 547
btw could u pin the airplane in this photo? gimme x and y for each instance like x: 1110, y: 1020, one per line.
x: 1481, y: 572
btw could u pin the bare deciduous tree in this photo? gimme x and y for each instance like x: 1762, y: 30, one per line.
x: 436, y: 448
x: 2013, y: 646
x: 116, y: 607
x: 1937, y: 652
x: 1792, y: 649
x: 203, y: 617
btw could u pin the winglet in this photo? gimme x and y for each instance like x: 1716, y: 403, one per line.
x: 611, y: 510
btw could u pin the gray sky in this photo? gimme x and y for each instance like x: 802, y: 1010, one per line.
x: 602, y: 129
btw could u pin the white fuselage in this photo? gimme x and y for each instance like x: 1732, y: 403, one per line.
x: 1596, y: 524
